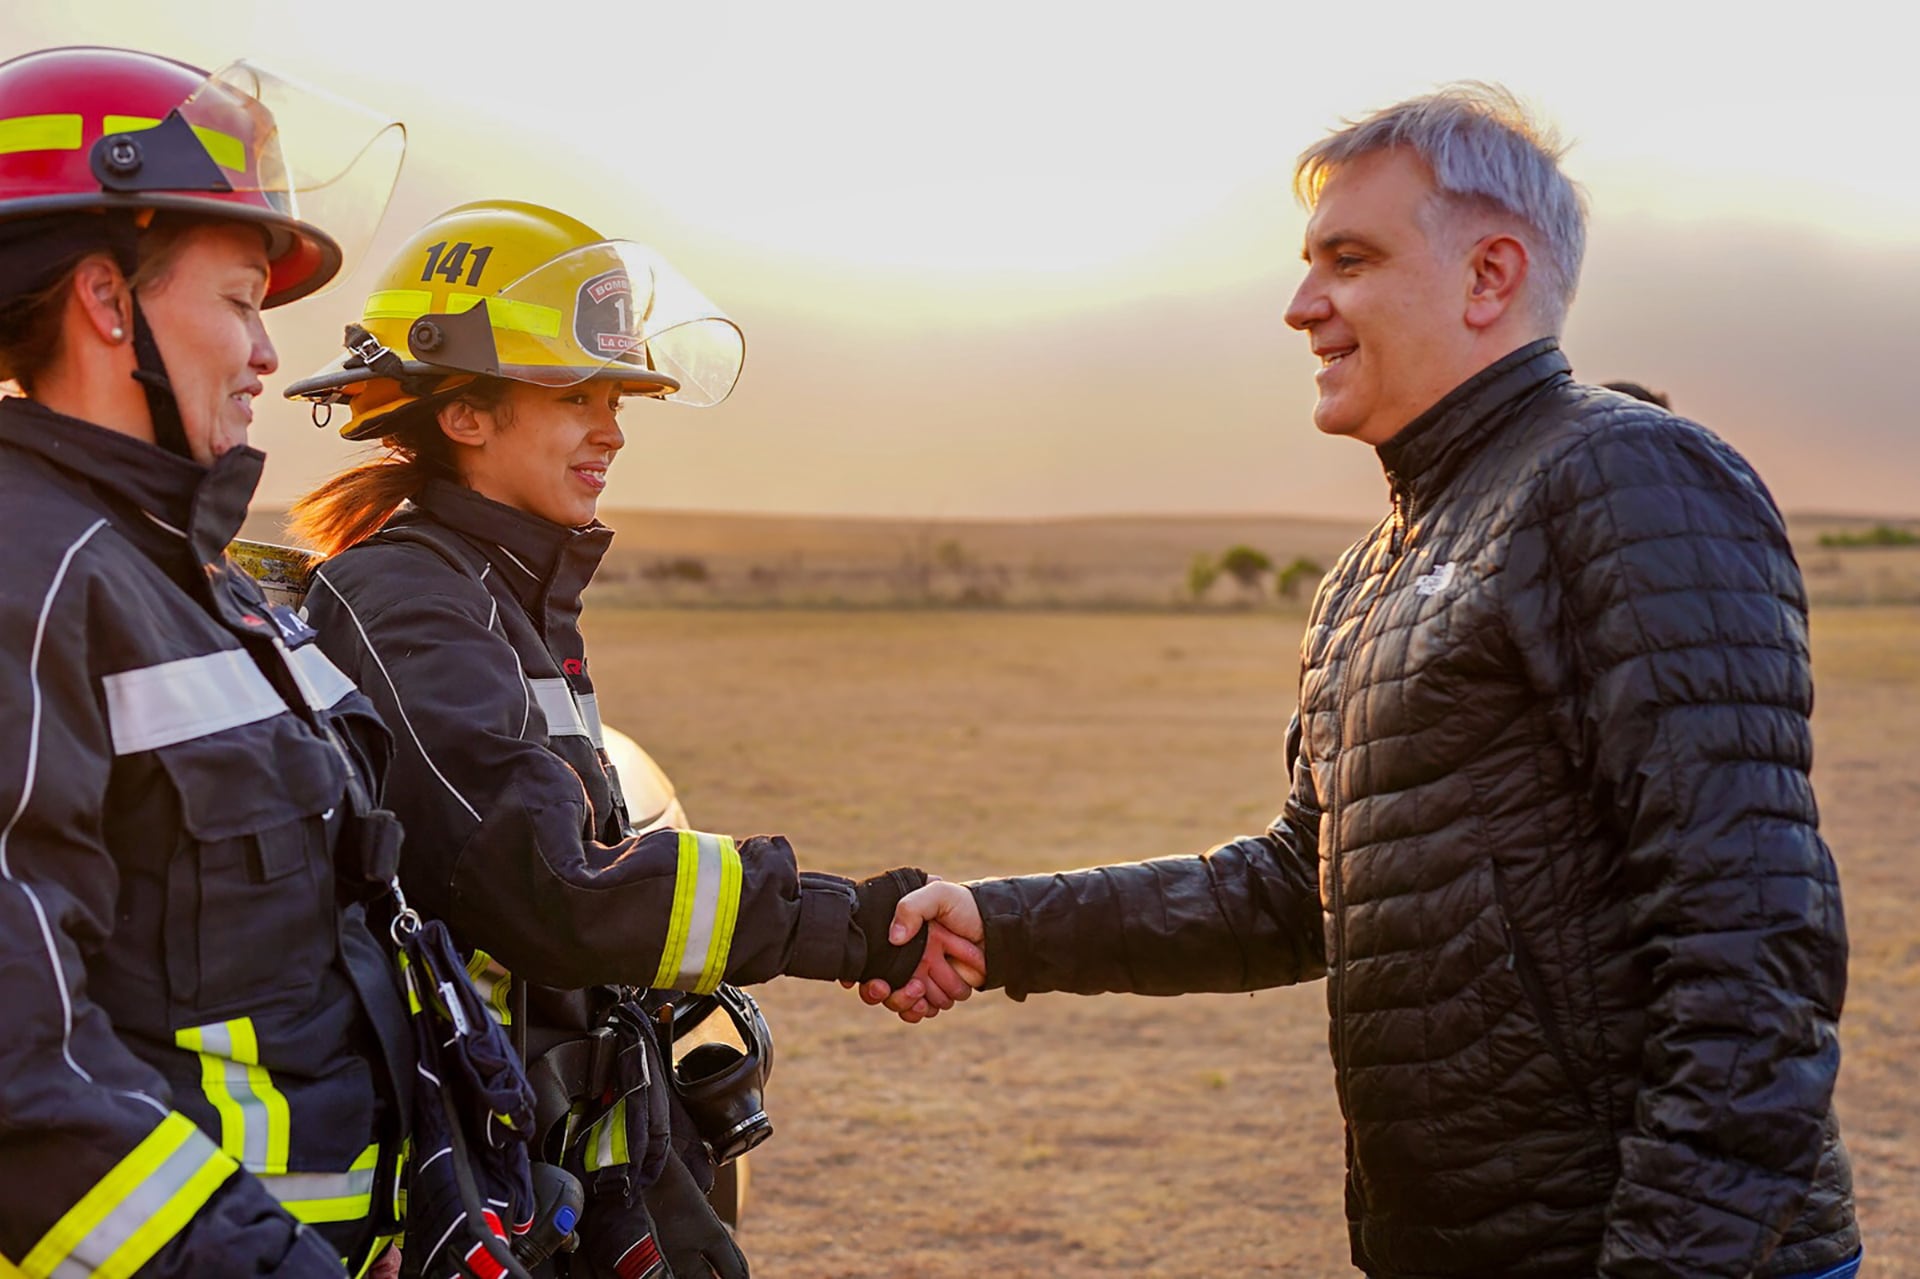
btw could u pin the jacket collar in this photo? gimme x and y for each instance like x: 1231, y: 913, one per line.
x: 1425, y: 454
x: 205, y: 506
x: 547, y: 565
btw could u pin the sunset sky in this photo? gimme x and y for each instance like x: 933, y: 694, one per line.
x: 1031, y: 258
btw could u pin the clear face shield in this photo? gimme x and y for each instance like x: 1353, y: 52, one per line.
x: 612, y: 310
x: 276, y: 145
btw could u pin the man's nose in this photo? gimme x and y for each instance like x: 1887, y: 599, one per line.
x: 1309, y: 306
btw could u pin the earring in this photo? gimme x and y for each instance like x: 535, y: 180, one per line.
x: 119, y: 334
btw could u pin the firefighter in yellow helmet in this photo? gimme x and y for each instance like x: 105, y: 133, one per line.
x: 491, y: 360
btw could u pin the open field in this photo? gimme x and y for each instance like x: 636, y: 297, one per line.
x: 704, y: 558
x: 1125, y: 1135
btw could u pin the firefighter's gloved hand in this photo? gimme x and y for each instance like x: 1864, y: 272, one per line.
x: 873, y: 914
x: 696, y: 1244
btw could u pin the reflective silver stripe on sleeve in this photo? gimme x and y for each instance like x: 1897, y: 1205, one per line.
x: 706, y: 905
x: 315, y: 1197
x: 590, y: 712
x: 321, y: 682
x: 193, y: 697
x: 136, y: 1209
x: 556, y: 703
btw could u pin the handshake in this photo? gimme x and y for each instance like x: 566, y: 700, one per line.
x: 954, y: 963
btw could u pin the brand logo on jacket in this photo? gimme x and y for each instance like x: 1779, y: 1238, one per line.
x: 1435, y: 582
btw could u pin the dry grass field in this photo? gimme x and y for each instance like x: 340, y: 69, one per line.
x: 1125, y: 1135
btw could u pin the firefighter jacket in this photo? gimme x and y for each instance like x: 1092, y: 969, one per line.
x: 461, y: 620
x: 205, y: 1047
x: 1552, y: 841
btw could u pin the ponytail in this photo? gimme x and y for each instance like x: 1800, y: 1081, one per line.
x: 351, y: 506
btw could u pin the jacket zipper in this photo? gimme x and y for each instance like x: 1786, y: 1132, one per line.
x: 1395, y: 541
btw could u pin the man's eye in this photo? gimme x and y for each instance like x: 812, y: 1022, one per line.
x: 1346, y: 262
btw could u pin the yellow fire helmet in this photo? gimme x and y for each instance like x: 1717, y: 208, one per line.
x: 505, y: 289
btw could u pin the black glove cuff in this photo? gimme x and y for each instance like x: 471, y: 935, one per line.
x: 873, y: 916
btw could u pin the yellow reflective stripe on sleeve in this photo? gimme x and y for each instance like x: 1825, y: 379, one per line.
x: 508, y: 314
x: 706, y: 906
x: 255, y: 1126
x: 315, y: 1197
x: 607, y: 1140
x: 60, y: 132
x: 133, y: 1211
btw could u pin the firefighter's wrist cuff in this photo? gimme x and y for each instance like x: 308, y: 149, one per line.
x: 822, y: 949
x: 873, y: 916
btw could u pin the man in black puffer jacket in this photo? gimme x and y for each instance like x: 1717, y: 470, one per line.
x: 1551, y: 837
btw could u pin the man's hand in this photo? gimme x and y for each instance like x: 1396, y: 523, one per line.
x: 955, y: 961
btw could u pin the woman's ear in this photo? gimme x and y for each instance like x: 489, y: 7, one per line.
x: 101, y: 294
x: 464, y: 424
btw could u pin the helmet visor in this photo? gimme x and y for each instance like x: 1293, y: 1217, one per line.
x: 594, y: 312
x: 309, y: 155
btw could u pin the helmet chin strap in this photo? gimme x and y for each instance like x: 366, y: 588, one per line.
x: 151, y: 374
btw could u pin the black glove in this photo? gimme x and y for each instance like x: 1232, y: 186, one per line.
x: 873, y: 915
x: 696, y: 1243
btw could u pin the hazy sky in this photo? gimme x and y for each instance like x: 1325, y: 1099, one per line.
x: 1031, y: 258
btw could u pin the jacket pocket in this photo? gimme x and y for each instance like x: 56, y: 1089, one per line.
x: 251, y: 907
x: 1533, y: 988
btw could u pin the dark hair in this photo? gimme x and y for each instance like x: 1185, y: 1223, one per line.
x: 352, y: 506
x: 1639, y: 392
x: 30, y: 325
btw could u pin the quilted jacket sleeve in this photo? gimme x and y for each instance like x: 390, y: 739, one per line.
x: 1242, y: 917
x: 1682, y: 631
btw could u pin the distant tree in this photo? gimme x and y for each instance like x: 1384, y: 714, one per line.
x: 1878, y: 535
x: 1202, y: 573
x: 1288, y: 581
x: 679, y: 569
x: 1244, y: 565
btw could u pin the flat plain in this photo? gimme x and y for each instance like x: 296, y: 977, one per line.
x: 1123, y: 1135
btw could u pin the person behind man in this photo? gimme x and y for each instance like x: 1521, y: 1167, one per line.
x: 206, y: 1064
x: 1550, y: 834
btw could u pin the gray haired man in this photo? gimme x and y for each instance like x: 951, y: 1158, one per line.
x: 1550, y: 835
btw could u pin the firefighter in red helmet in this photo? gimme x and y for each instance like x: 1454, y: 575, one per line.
x: 206, y: 1064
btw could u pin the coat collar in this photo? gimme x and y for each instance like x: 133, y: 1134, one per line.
x: 203, y: 505
x: 547, y: 565
x: 1425, y: 454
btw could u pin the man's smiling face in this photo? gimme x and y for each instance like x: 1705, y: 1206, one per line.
x: 1384, y: 298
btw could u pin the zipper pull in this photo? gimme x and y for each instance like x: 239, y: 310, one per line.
x: 1398, y: 536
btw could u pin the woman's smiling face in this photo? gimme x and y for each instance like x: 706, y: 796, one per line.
x: 545, y: 450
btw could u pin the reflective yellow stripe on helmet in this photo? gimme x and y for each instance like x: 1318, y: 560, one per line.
x: 60, y: 132
x: 706, y: 906
x: 328, y: 1196
x: 136, y: 1209
x: 502, y: 313
x: 227, y: 151
x: 254, y: 1124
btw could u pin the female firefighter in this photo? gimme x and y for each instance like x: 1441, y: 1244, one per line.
x: 491, y: 360
x: 206, y: 1060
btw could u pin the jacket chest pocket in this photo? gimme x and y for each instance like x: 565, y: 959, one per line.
x: 251, y: 915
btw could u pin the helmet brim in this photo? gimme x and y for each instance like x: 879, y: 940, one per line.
x: 304, y: 258
x: 339, y: 384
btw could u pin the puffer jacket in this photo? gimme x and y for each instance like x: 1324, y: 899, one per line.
x: 206, y: 1066
x: 1552, y: 841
